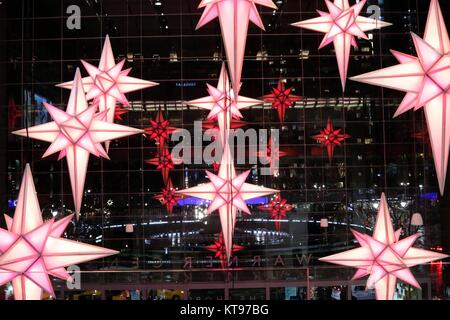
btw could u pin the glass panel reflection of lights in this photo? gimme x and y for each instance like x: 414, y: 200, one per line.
x: 159, y: 42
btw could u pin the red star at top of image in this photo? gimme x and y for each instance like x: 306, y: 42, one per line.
x: 281, y: 99
x: 220, y: 251
x: 330, y: 138
x: 168, y: 197
x: 119, y: 112
x: 278, y: 208
x: 160, y: 129
x: 164, y: 162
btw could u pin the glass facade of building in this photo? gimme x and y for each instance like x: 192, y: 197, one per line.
x: 165, y: 255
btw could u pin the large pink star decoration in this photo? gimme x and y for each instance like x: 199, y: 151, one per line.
x: 223, y: 104
x: 164, y: 162
x: 281, y: 99
x: 219, y: 250
x: 278, y: 208
x: 341, y: 25
x: 234, y: 17
x: 108, y: 83
x: 426, y: 81
x: 330, y: 137
x: 31, y: 249
x: 384, y: 257
x: 160, y: 130
x: 168, y: 196
x: 14, y: 113
x: 76, y: 133
x: 227, y: 192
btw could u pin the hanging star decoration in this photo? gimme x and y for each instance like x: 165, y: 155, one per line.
x: 234, y: 17
x: 330, y: 138
x: 31, y: 250
x: 342, y: 25
x: 119, y: 113
x: 278, y: 208
x: 426, y: 81
x: 223, y: 104
x: 168, y: 196
x: 272, y: 155
x: 108, y: 83
x: 77, y: 133
x: 160, y: 130
x: 219, y: 250
x: 384, y: 257
x: 281, y: 99
x: 14, y: 113
x: 164, y: 162
x: 227, y: 192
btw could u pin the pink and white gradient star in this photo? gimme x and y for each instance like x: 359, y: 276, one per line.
x: 426, y: 81
x: 384, y: 257
x: 234, y: 17
x: 341, y: 25
x: 76, y: 133
x: 224, y: 104
x: 227, y: 192
x: 108, y: 83
x: 31, y: 249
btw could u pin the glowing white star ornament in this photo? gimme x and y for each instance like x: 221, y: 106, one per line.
x: 227, y: 192
x: 426, y: 81
x: 234, y: 17
x: 108, y: 83
x: 77, y: 133
x: 31, y: 249
x: 223, y: 103
x: 384, y: 257
x: 341, y: 25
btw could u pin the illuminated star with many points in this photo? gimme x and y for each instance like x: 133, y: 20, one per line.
x: 227, y: 192
x: 168, y: 196
x: 384, y: 257
x: 223, y: 104
x: 220, y: 251
x: 281, y: 99
x: 278, y: 208
x: 330, y: 138
x: 426, y: 81
x: 31, y: 249
x: 77, y: 132
x: 108, y: 83
x: 341, y: 25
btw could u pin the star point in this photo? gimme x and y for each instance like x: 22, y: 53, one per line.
x: 234, y: 17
